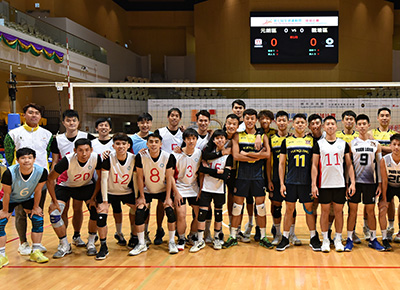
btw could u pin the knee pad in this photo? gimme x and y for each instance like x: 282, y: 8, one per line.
x: 218, y: 215
x: 170, y: 215
x: 37, y: 223
x: 3, y: 223
x: 116, y: 206
x: 209, y: 215
x: 101, y: 220
x: 237, y: 209
x: 202, y: 215
x: 55, y: 219
x: 93, y: 213
x: 277, y: 212
x: 140, y: 216
x: 261, y: 210
x: 294, y: 213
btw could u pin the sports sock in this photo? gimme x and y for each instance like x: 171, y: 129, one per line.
x: 366, y: 223
x: 146, y: 227
x: 172, y: 236
x: 182, y: 237
x: 103, y: 242
x: 118, y: 228
x: 216, y: 234
x: 208, y: 225
x: 350, y: 235
x: 3, y: 251
x: 324, y: 235
x: 338, y: 236
x: 200, y: 235
x: 391, y: 223
x: 286, y: 234
x: 76, y: 234
x: 384, y: 234
x: 35, y: 246
x: 64, y: 241
x: 92, y: 237
x: 291, y: 231
x: 263, y: 232
x: 251, y: 220
x: 141, y: 238
x: 312, y: 234
x: 373, y: 234
x: 234, y: 232
x: 278, y: 229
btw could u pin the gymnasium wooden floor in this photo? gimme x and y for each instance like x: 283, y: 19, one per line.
x: 246, y: 266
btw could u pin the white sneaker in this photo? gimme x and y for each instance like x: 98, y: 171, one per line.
x: 326, y: 246
x: 198, y: 245
x: 91, y: 249
x: 62, y: 251
x: 207, y: 236
x: 397, y: 238
x: 218, y: 244
x: 294, y: 240
x: 247, y: 230
x: 173, y: 249
x: 242, y: 238
x: 338, y: 245
x: 41, y: 248
x: 78, y: 242
x: 277, y: 240
x: 139, y: 248
x: 24, y: 249
x: 356, y: 239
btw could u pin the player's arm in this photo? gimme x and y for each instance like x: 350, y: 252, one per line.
x: 378, y: 157
x: 282, y: 167
x: 38, y: 195
x: 6, y: 201
x: 177, y: 196
x: 314, y: 174
x: 169, y: 175
x: 55, y: 152
x: 350, y: 174
x: 236, y: 151
x: 386, y: 150
x: 140, y: 180
x: 384, y: 176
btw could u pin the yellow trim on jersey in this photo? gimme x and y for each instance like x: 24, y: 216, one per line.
x: 347, y: 137
x: 383, y: 137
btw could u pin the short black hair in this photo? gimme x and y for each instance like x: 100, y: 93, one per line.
x: 233, y: 116
x: 33, y: 105
x: 204, y: 113
x: 25, y: 151
x: 145, y: 117
x: 281, y: 114
x: 154, y: 135
x: 83, y: 141
x: 120, y: 136
x: 102, y: 120
x: 362, y: 117
x: 240, y: 103
x: 190, y: 132
x: 218, y: 132
x: 265, y: 113
x: 250, y: 112
x: 384, y: 109
x: 313, y: 117
x: 395, y: 137
x: 330, y: 118
x: 300, y: 115
x: 349, y: 113
x: 70, y: 114
x: 176, y: 110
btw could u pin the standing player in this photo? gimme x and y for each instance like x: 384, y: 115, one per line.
x: 203, y: 121
x: 238, y: 107
x: 155, y: 169
x: 366, y: 154
x: 249, y: 180
x: 328, y: 156
x: 79, y: 167
x: 22, y: 185
x: 215, y: 173
x: 295, y: 159
x: 104, y: 143
x: 139, y: 139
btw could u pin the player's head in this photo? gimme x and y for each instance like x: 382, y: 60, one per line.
x: 174, y: 116
x: 190, y: 137
x: 362, y: 123
x: 26, y: 157
x: 232, y: 123
x: 384, y: 117
x: 144, y: 122
x: 83, y: 149
x: 300, y: 123
x: 32, y: 113
x: 103, y: 126
x: 154, y: 142
x: 282, y: 120
x: 238, y: 107
x: 250, y: 118
x: 71, y: 120
x: 395, y: 144
x: 349, y: 119
x: 265, y: 117
x: 121, y: 142
x: 219, y: 138
x: 203, y: 120
x: 315, y: 124
x: 330, y: 125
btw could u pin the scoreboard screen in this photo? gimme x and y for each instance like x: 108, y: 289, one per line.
x: 294, y: 37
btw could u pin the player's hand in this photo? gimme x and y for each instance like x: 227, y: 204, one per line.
x: 257, y: 143
x: 383, y: 205
x: 106, y: 154
x: 270, y: 186
x: 352, y: 189
x: 36, y: 211
x: 198, y: 196
x: 102, y: 207
x: 283, y: 190
x: 204, y: 163
x: 314, y: 191
x: 140, y: 201
x: 54, y: 206
x: 168, y: 202
x: 142, y: 150
x: 220, y: 171
x: 4, y: 215
x: 177, y: 149
x: 182, y: 128
x: 378, y: 191
x: 92, y: 202
x: 226, y: 151
x: 178, y: 199
x: 244, y: 153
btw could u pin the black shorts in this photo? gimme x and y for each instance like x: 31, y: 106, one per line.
x: 276, y: 194
x: 392, y: 192
x: 249, y: 188
x: 27, y: 204
x: 190, y: 200
x: 84, y: 193
x: 206, y: 197
x: 368, y: 193
x: 301, y: 192
x: 117, y: 198
x: 159, y: 196
x: 328, y: 195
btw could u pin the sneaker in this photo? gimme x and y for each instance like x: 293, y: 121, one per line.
x: 103, y: 253
x: 349, y: 245
x: 230, y: 242
x: 283, y: 244
x: 326, y: 246
x: 247, y: 230
x: 41, y: 248
x: 266, y: 243
x: 356, y: 239
x: 338, y: 245
x: 139, y: 248
x: 390, y: 232
x: 133, y: 241
x: 277, y: 240
x: 397, y: 238
x: 217, y: 244
x: 62, y: 251
x: 387, y: 245
x: 376, y: 245
x: 191, y: 239
x: 172, y: 248
x: 315, y: 243
x: 367, y: 234
x: 38, y: 257
x: 330, y: 236
x: 24, y: 249
x: 120, y: 239
x: 78, y: 242
x: 181, y: 244
x: 294, y: 240
x: 91, y: 250
x: 198, y: 245
x: 159, y: 235
x: 3, y: 261
x: 257, y: 235
x: 147, y: 239
x: 242, y: 238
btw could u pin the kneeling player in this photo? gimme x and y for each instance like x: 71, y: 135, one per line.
x: 22, y: 184
x: 80, y: 167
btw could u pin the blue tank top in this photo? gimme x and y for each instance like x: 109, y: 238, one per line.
x: 23, y: 190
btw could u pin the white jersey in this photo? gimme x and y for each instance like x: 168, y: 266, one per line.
x: 169, y: 141
x: 241, y: 128
x: 392, y: 170
x: 120, y: 175
x: 364, y: 160
x: 99, y: 147
x: 331, y: 159
x: 186, y: 169
x: 154, y: 172
x: 202, y: 142
x: 212, y: 184
x: 78, y: 175
x: 65, y: 146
